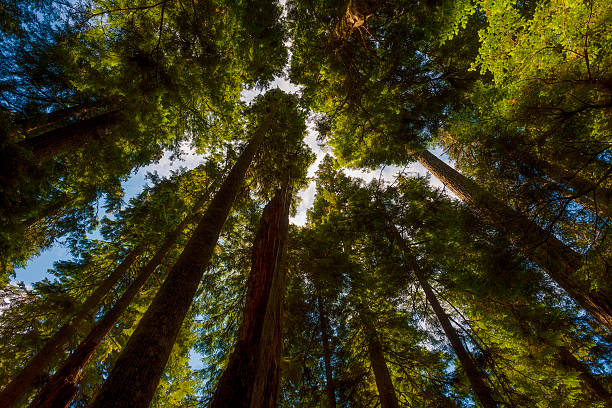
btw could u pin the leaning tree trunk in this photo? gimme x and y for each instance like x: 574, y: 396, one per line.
x: 481, y: 390
x: 36, y: 367
x: 475, y: 376
x: 593, y: 195
x: 329, y: 380
x: 62, y: 387
x: 251, y: 377
x: 70, y: 137
x: 56, y: 118
x: 134, y: 378
x: 384, y: 385
x: 557, y: 259
x: 590, y: 382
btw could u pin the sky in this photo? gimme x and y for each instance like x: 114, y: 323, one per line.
x: 36, y: 269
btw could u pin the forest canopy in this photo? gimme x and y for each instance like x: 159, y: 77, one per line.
x: 470, y: 269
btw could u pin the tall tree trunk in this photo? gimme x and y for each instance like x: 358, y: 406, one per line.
x: 384, y: 385
x: 558, y: 260
x: 567, y: 358
x: 251, y: 377
x: 329, y: 379
x: 475, y: 376
x: 62, y: 387
x: 55, y: 118
x: 134, y: 378
x: 481, y: 390
x: 70, y: 137
x: 36, y: 367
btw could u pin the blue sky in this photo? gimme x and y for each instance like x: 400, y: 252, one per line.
x: 36, y: 269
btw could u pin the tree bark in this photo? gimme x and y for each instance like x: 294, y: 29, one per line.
x: 62, y: 387
x: 36, y: 367
x: 475, y: 376
x: 70, y: 137
x: 329, y: 380
x: 57, y: 117
x: 134, y: 378
x: 587, y: 378
x: 251, y: 378
x: 384, y: 385
x: 558, y: 260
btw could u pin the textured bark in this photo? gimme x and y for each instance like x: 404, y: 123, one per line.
x: 134, y: 378
x: 586, y: 377
x: 62, y: 387
x: 384, y: 385
x: 36, y: 367
x: 70, y: 137
x: 558, y: 260
x: 251, y: 378
x: 329, y: 379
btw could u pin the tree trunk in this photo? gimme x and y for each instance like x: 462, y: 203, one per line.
x: 481, y: 390
x: 592, y: 195
x: 134, y: 378
x: 384, y: 385
x: 586, y: 377
x: 55, y: 118
x: 558, y: 260
x: 251, y: 378
x: 36, y: 367
x: 329, y: 380
x: 70, y: 137
x: 62, y: 387
x: 475, y: 376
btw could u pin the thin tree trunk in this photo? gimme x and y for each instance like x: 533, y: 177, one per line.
x: 251, y: 377
x: 329, y: 380
x: 62, y: 387
x: 586, y: 377
x: 134, y: 378
x: 384, y: 385
x: 70, y: 137
x: 558, y: 260
x: 475, y: 376
x: 36, y: 367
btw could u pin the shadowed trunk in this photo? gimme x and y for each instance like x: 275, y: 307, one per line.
x: 481, y: 390
x: 475, y: 376
x: 251, y: 378
x: 329, y: 380
x: 384, y: 385
x: 57, y: 117
x: 134, y: 378
x: 592, y: 195
x: 70, y: 137
x: 587, y: 378
x: 36, y: 367
x: 62, y: 387
x: 558, y: 260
